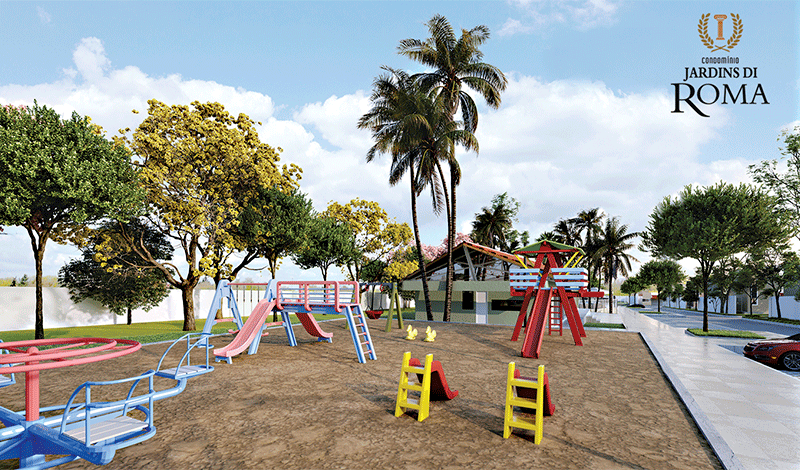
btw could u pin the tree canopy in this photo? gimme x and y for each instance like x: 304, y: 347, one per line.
x: 664, y: 274
x: 328, y: 242
x: 710, y: 223
x: 57, y: 176
x: 200, y: 166
x: 784, y: 185
x: 127, y: 284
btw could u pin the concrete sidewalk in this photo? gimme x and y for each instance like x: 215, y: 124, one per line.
x: 749, y: 412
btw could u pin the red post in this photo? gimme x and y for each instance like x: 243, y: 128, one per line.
x: 32, y: 390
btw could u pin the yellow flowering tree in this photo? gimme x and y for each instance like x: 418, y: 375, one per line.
x: 199, y: 167
x: 376, y: 234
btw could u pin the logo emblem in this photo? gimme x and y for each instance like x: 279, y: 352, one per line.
x: 731, y: 42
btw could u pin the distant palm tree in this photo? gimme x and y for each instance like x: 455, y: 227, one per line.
x: 567, y: 231
x: 413, y: 127
x: 455, y: 63
x: 491, y: 225
x: 614, y: 241
x: 587, y: 225
x: 551, y: 236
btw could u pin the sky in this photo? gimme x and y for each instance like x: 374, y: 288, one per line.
x: 587, y: 119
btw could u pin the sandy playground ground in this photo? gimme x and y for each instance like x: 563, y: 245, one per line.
x: 315, y: 407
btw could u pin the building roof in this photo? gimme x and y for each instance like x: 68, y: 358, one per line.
x: 460, y: 256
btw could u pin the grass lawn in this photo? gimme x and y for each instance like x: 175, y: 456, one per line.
x: 766, y: 317
x: 150, y: 332
x: 724, y: 333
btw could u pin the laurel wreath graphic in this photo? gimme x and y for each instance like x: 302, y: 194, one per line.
x: 702, y: 28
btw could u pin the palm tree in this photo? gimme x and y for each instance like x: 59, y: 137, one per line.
x: 614, y: 241
x: 567, y: 232
x: 492, y: 224
x: 413, y: 127
x: 587, y: 222
x: 456, y: 63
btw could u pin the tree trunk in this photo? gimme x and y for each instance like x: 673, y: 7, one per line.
x: 420, y: 259
x: 778, y: 303
x: 705, y: 302
x: 187, y: 297
x: 658, y: 293
x: 610, y: 295
x: 451, y: 235
x: 38, y: 241
x: 130, y: 315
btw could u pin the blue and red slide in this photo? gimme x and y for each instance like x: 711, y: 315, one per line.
x: 439, y: 388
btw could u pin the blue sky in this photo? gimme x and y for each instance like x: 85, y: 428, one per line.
x: 585, y: 122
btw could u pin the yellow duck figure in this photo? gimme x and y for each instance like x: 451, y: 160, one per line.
x: 412, y: 333
x: 430, y: 335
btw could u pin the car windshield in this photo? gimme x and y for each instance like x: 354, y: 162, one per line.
x: 794, y: 337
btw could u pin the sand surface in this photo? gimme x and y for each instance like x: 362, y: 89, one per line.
x: 315, y: 407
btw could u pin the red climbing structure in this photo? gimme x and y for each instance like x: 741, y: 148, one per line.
x: 552, y: 285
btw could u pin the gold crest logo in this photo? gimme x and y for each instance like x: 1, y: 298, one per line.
x: 731, y: 42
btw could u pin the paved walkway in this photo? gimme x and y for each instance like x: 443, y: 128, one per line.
x: 749, y: 412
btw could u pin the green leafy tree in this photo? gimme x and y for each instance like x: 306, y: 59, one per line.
x: 24, y: 280
x: 412, y: 126
x: 776, y: 267
x: 128, y: 285
x: 664, y: 274
x: 722, y: 278
x: 272, y: 225
x: 747, y: 283
x: 711, y: 223
x: 56, y: 177
x: 328, y: 242
x: 691, y: 290
x: 632, y: 286
x: 784, y: 185
x: 456, y: 63
x: 200, y: 167
x: 614, y: 241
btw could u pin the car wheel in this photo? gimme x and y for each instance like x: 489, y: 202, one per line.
x: 791, y: 360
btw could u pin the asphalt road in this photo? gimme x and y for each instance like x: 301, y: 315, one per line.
x: 691, y: 319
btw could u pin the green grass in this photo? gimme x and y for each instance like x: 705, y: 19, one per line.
x: 724, y: 333
x: 766, y: 317
x: 604, y: 325
x: 151, y: 332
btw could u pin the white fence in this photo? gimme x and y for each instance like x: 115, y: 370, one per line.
x: 18, y: 307
x: 790, y: 308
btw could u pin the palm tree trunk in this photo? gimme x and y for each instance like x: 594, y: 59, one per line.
x: 451, y: 235
x: 421, y: 262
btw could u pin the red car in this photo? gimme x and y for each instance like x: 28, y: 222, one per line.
x: 776, y: 352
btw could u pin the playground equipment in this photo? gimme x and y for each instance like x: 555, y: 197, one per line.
x: 430, y: 384
x: 301, y: 298
x: 553, y: 287
x: 85, y: 429
x: 412, y: 333
x: 525, y: 392
x: 394, y: 303
x: 430, y: 335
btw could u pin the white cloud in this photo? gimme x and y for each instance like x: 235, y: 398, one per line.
x: 557, y: 147
x: 579, y: 14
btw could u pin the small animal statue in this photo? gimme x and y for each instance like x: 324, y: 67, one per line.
x: 430, y: 335
x: 412, y: 333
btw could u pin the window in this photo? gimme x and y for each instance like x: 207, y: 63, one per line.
x: 468, y: 300
x: 507, y: 304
